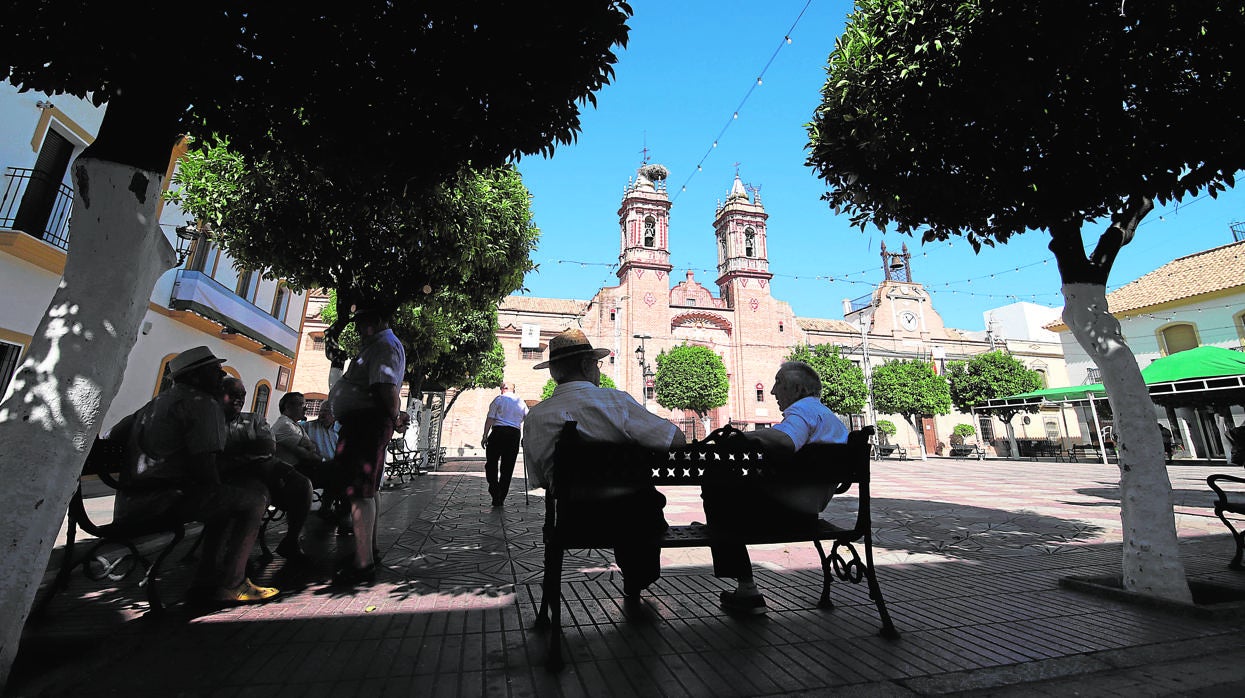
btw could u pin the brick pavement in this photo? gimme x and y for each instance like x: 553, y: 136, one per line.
x: 970, y: 556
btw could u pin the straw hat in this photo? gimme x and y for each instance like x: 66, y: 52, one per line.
x: 192, y: 359
x: 570, y: 343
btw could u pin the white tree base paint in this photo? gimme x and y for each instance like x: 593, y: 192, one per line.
x: 1152, y: 563
x: 72, y: 371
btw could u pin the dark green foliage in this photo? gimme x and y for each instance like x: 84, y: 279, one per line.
x: 547, y: 390
x: 987, y: 118
x: 994, y: 374
x: 690, y: 377
x: 911, y: 389
x: 843, y: 388
x: 354, y: 88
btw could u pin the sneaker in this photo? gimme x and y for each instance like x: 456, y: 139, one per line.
x: 753, y: 605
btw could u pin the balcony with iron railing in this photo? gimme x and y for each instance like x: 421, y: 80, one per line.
x: 36, y: 205
x: 199, y: 293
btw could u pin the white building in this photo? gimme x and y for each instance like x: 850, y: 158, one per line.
x: 1196, y: 300
x: 252, y: 322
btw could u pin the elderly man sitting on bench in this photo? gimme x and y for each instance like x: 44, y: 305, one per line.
x: 736, y: 511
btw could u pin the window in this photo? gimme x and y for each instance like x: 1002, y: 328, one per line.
x: 317, y: 343
x: 612, y: 315
x: 650, y: 393
x: 1052, y: 429
x: 780, y: 326
x: 260, y: 404
x: 531, y: 354
x: 163, y: 382
x: 760, y: 394
x: 689, y: 301
x: 1093, y: 375
x: 1042, y: 374
x: 650, y: 232
x: 9, y: 354
x: 986, y: 427
x: 281, y: 303
x: 248, y: 285
x: 750, y: 242
x: 200, y: 251
x: 44, y: 208
x: 1178, y: 338
x: 313, y: 408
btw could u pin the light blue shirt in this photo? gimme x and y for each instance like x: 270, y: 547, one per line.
x: 807, y: 421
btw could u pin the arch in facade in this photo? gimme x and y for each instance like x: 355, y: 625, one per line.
x: 695, y: 318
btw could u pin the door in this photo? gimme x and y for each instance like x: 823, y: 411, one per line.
x: 35, y: 210
x: 929, y: 433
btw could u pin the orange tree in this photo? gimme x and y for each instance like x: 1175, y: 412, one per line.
x: 990, y: 118
x: 392, y: 93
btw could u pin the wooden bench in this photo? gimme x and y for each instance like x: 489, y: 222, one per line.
x: 885, y: 450
x: 105, y: 461
x: 964, y: 450
x: 722, y: 458
x: 1045, y: 449
x: 1230, y: 502
x: 1090, y: 452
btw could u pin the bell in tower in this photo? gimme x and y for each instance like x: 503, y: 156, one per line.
x: 896, y: 266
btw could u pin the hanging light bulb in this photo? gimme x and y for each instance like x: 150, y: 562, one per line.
x: 715, y: 144
x: 736, y: 116
x: 758, y: 80
x: 788, y: 38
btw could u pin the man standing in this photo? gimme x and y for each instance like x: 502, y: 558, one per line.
x: 797, y: 387
x: 603, y: 416
x: 174, y: 441
x: 366, y: 399
x: 501, y: 439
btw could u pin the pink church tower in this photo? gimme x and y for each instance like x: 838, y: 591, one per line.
x: 743, y: 261
x: 644, y: 223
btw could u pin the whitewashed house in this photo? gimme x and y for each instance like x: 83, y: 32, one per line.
x: 252, y: 322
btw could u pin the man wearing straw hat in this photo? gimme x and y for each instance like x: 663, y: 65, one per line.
x: 174, y: 441
x: 603, y: 415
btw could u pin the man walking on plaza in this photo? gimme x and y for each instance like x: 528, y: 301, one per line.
x: 602, y: 415
x: 501, y: 440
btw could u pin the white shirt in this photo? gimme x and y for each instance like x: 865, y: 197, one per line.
x: 507, y: 410
x: 604, y: 415
x: 807, y: 421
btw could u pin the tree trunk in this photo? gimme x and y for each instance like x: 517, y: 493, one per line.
x: 914, y: 421
x: 1152, y: 563
x: 72, y: 371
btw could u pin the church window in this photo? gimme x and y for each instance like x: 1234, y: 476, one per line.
x: 650, y: 232
x: 760, y: 394
x: 650, y: 393
x: 750, y: 242
x: 690, y: 301
x: 780, y: 326
x: 612, y: 315
x: 722, y: 249
x: 531, y: 354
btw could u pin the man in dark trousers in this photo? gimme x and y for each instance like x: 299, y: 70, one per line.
x: 501, y: 438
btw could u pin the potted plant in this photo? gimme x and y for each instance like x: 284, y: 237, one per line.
x: 886, y: 429
x: 960, y: 431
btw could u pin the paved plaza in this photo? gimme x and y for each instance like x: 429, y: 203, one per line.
x: 970, y: 555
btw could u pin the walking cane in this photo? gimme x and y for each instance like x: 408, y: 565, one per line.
x: 526, y: 487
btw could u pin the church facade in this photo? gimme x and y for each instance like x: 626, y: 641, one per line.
x: 736, y: 315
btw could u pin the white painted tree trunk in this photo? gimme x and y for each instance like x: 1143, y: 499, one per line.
x: 1152, y: 563
x: 72, y: 371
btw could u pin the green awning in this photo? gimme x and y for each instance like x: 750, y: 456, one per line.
x: 1202, y: 362
x: 1069, y: 394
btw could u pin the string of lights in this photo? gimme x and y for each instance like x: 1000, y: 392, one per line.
x: 786, y: 40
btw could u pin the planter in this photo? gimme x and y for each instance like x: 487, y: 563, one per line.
x: 1209, y: 600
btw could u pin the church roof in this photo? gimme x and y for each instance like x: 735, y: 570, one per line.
x: 809, y: 324
x: 531, y: 304
x: 1194, y: 275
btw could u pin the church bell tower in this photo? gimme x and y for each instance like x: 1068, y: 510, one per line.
x: 644, y: 224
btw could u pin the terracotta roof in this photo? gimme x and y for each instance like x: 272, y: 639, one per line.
x: 530, y: 304
x: 1197, y: 274
x: 810, y: 324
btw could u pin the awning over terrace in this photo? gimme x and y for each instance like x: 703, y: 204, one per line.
x: 1203, y: 376
x: 1076, y: 393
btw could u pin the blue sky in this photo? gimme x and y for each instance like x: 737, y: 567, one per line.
x: 689, y: 66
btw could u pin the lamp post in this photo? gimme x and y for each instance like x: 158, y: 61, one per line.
x: 646, y: 370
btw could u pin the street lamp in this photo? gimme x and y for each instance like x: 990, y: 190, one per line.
x: 646, y: 371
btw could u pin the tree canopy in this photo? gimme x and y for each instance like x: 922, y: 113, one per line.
x: 397, y: 84
x: 910, y: 389
x: 987, y: 376
x: 690, y: 377
x: 988, y: 118
x: 843, y: 388
x: 472, y: 234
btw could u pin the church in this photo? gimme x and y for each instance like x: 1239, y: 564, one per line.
x: 738, y: 317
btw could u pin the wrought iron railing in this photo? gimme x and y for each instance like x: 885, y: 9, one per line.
x: 47, y: 220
